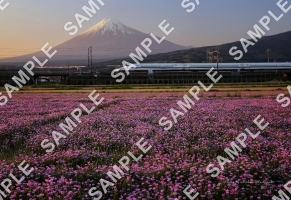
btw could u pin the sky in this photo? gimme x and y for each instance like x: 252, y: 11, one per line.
x: 25, y: 26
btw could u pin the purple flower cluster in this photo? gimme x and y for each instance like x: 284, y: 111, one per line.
x: 178, y: 157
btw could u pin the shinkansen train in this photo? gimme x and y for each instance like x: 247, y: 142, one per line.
x: 186, y: 73
x: 151, y: 67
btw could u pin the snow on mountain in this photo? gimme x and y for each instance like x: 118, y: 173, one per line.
x: 109, y: 39
x: 109, y: 25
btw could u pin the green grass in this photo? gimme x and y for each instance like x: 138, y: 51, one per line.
x: 128, y: 86
x: 53, y: 86
x: 219, y: 87
x: 75, y: 87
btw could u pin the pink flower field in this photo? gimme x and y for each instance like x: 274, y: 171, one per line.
x: 178, y: 157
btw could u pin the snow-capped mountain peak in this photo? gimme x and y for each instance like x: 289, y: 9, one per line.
x: 110, y: 39
x: 112, y: 26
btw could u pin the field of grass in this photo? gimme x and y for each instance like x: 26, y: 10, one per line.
x: 220, y: 87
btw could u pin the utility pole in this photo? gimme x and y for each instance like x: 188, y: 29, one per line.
x: 217, y: 56
x: 68, y: 68
x: 68, y: 72
x: 268, y: 51
x: 88, y: 58
x: 217, y: 60
x: 91, y: 59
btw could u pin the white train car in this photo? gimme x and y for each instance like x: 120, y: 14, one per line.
x: 152, y: 67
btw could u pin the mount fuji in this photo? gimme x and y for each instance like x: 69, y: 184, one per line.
x: 109, y: 39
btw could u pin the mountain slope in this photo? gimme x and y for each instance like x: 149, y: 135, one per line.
x: 279, y: 45
x: 109, y: 39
